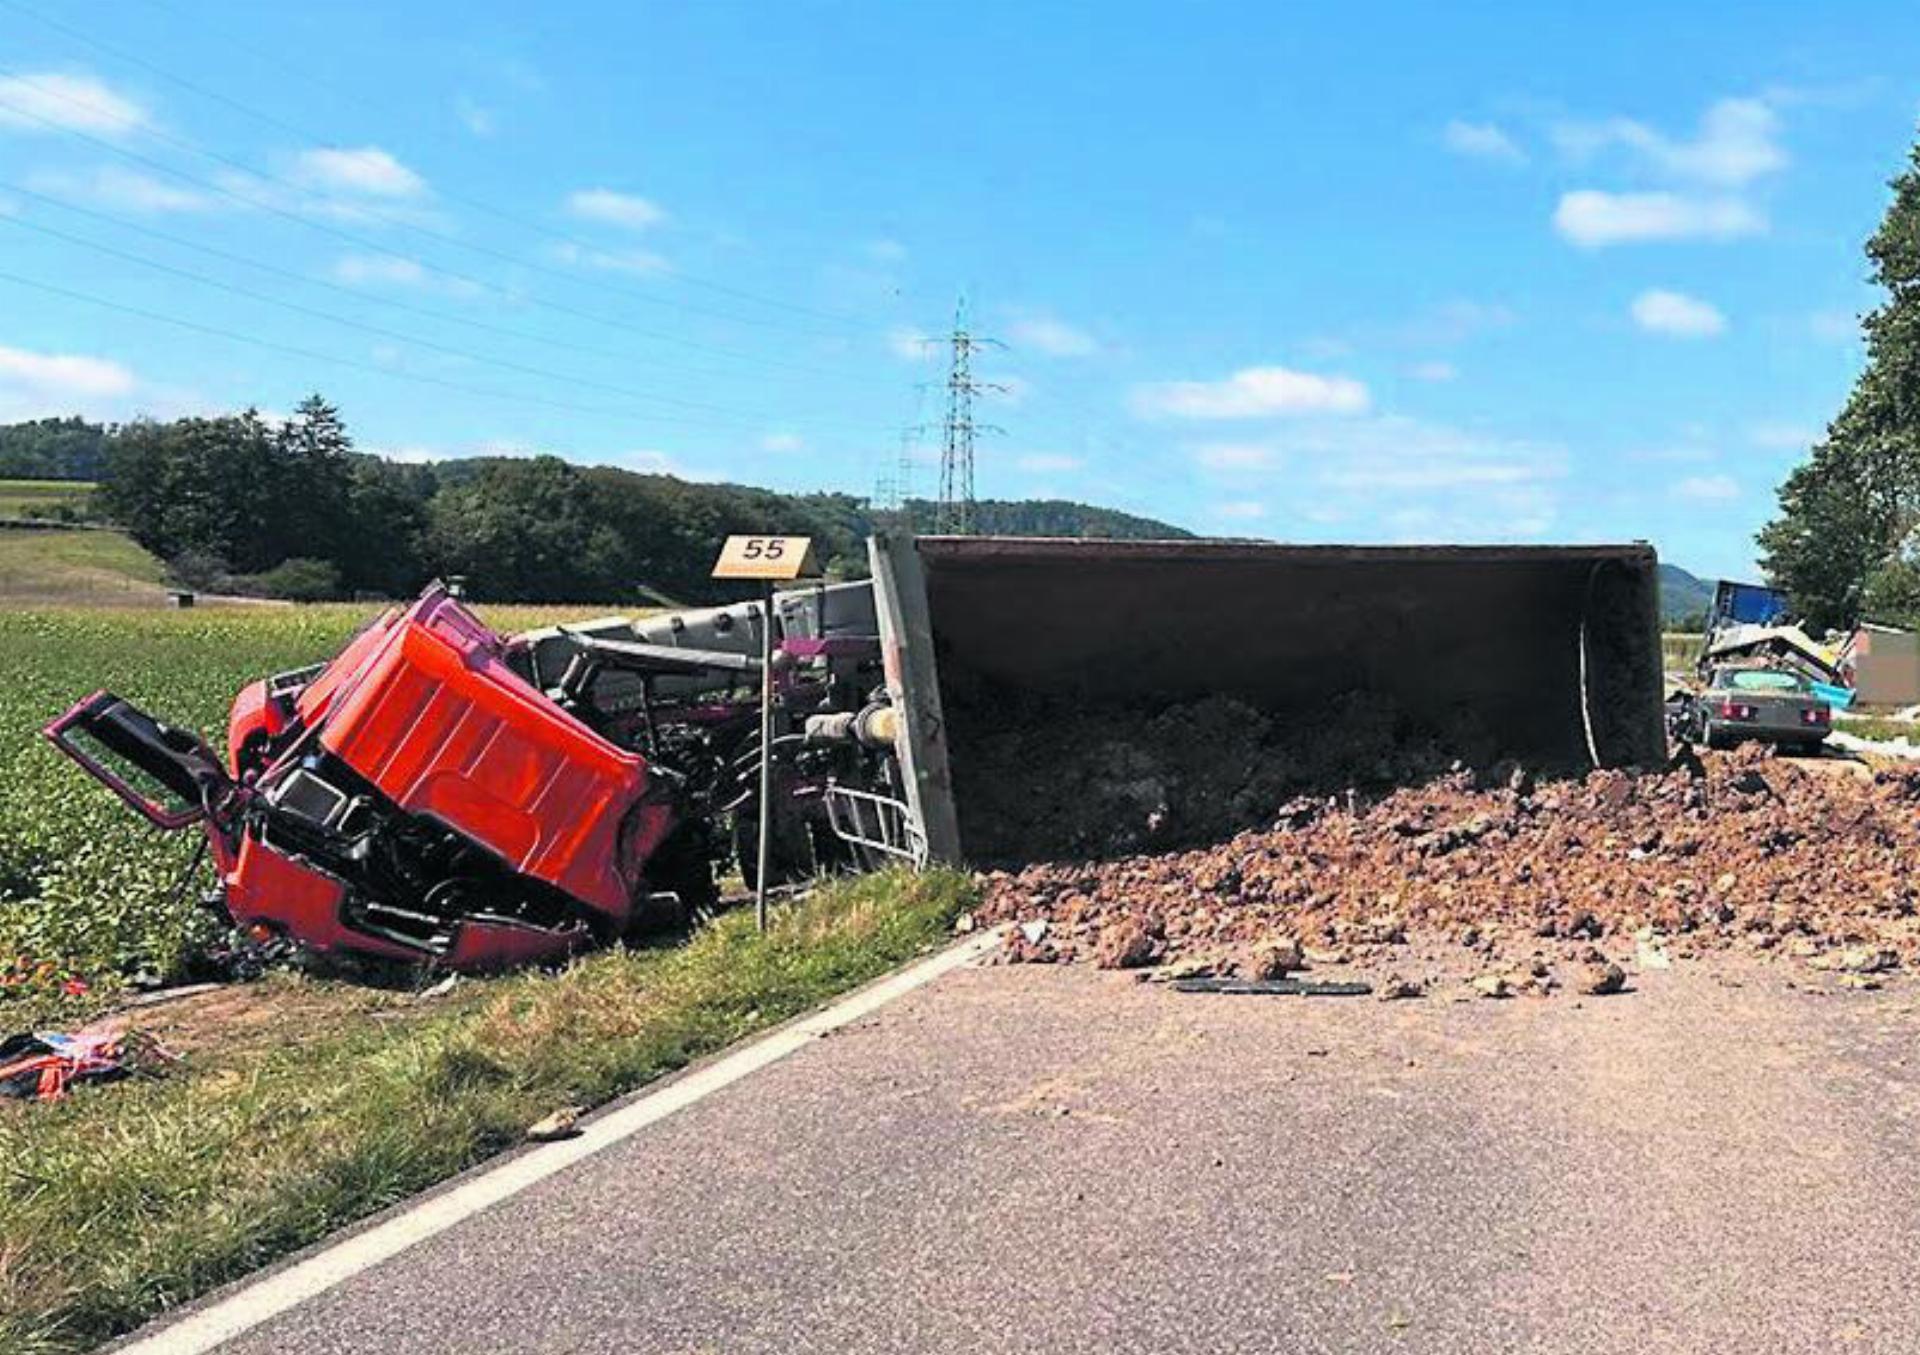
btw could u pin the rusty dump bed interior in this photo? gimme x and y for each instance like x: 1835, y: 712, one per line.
x: 1445, y: 634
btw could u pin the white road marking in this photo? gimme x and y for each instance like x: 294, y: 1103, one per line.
x: 256, y: 1303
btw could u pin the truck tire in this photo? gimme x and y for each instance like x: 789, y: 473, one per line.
x: 683, y: 865
x: 791, y: 858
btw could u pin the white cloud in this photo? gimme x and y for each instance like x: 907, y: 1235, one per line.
x: 1737, y: 142
x: 914, y: 345
x: 1235, y: 456
x: 62, y: 374
x: 640, y: 262
x: 1413, y: 478
x: 122, y: 190
x: 1592, y: 219
x: 474, y: 117
x: 615, y: 208
x: 886, y: 251
x: 359, y: 270
x: 283, y: 195
x: 1677, y: 315
x: 365, y: 170
x: 1707, y: 489
x: 393, y: 270
x: 1251, y: 393
x: 49, y: 101
x: 1240, y: 510
x: 782, y: 442
x: 1433, y: 371
x: 1040, y: 463
x: 1053, y: 337
x: 1482, y: 141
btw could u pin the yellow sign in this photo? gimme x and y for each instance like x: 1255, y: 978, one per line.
x: 766, y: 557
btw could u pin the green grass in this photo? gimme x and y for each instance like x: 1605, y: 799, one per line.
x: 130, y: 1198
x: 86, y: 888
x: 135, y: 1196
x: 42, y: 566
x: 43, y: 498
x: 1679, y: 651
x: 1877, y: 728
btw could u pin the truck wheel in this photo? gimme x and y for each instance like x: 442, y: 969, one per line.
x: 792, y: 855
x: 683, y: 865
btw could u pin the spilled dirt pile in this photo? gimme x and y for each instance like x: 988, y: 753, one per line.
x: 1508, y: 881
x: 1040, y: 781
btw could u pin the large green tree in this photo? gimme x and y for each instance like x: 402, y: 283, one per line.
x: 208, y: 488
x: 1846, y: 513
x: 527, y: 530
x: 240, y: 495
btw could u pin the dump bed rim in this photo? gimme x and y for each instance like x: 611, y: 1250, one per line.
x: 1066, y: 547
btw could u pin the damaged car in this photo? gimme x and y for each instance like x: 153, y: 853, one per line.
x: 1771, y: 705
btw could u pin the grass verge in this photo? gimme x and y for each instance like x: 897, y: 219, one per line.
x: 1879, y: 729
x: 91, y: 568
x: 130, y: 1198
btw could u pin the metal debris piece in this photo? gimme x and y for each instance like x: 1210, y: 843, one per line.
x: 1273, y: 987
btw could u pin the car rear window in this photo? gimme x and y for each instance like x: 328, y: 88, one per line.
x: 1760, y: 680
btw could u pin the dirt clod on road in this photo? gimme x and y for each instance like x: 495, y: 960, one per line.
x: 1500, y: 885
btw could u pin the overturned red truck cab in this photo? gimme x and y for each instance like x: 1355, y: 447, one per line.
x: 440, y: 793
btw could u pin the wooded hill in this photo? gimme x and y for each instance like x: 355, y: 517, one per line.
x: 293, y: 510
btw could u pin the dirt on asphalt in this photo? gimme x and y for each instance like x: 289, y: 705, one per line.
x: 1489, y: 883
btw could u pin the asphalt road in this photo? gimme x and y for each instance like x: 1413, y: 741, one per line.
x: 1031, y: 1159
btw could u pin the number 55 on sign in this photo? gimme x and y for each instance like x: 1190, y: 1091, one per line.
x: 766, y: 557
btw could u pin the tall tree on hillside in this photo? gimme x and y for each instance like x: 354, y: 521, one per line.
x: 241, y: 494
x: 205, y: 487
x: 527, y: 531
x: 314, y: 513
x: 1846, y: 512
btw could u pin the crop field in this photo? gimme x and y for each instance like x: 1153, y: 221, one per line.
x: 42, y: 498
x: 87, y: 890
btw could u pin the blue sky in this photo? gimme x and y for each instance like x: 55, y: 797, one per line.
x: 1361, y: 273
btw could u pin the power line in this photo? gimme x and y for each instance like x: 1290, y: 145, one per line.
x: 294, y: 275
x: 362, y: 241
x: 505, y: 364
x: 306, y: 134
x: 312, y: 355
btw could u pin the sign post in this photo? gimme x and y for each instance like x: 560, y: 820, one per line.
x: 770, y: 559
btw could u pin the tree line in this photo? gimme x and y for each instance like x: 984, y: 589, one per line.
x: 52, y: 449
x: 292, y: 509
x: 1846, y: 542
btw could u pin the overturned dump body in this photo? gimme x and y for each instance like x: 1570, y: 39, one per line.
x: 443, y: 794
x: 1548, y: 656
